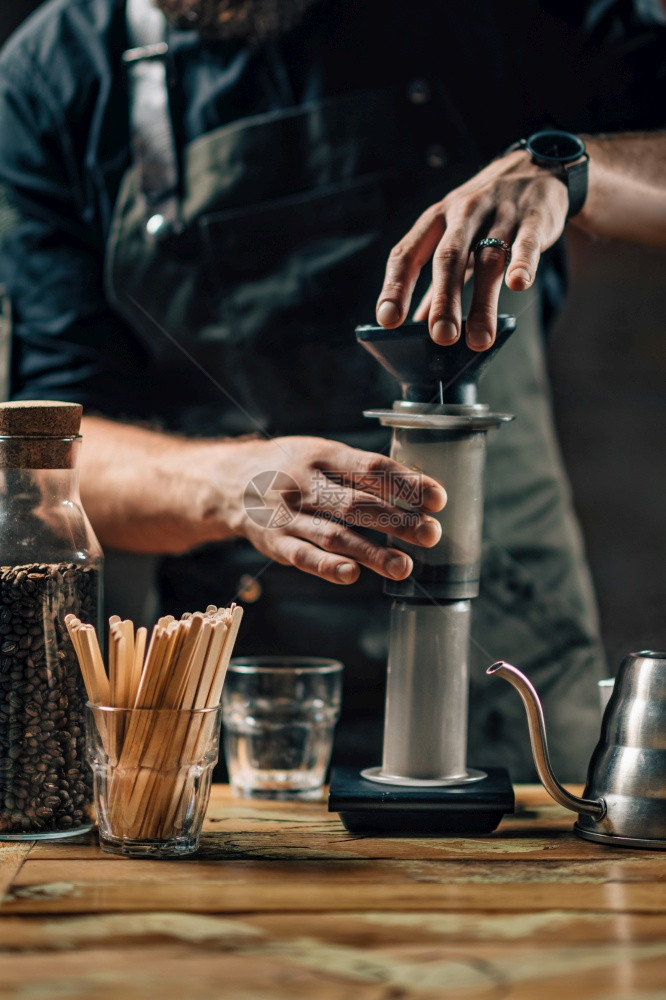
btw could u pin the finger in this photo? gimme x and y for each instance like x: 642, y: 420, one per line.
x: 364, y: 510
x: 292, y: 551
x: 303, y: 555
x: 525, y: 255
x: 449, y: 264
x: 384, y: 477
x: 423, y: 308
x: 339, y: 539
x: 404, y: 266
x: 541, y: 223
x: 489, y: 265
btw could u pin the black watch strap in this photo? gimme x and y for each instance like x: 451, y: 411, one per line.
x: 575, y: 177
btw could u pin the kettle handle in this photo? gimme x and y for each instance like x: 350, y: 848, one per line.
x: 595, y: 807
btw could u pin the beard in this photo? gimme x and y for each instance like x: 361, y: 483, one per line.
x: 253, y: 20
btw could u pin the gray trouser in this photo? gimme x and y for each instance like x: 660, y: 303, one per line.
x: 536, y: 607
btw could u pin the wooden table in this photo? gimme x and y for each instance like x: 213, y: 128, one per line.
x: 281, y: 902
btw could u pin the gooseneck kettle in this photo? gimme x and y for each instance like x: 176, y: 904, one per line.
x: 624, y: 802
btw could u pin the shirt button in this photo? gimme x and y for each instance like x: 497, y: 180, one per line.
x: 154, y: 224
x: 436, y: 156
x: 418, y: 91
x: 249, y: 589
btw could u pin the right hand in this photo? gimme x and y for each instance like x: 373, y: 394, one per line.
x: 512, y: 199
x: 318, y: 537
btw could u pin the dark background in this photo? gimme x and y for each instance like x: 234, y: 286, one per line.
x: 9, y: 19
x: 608, y: 367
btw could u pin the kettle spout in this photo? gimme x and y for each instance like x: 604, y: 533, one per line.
x: 595, y: 807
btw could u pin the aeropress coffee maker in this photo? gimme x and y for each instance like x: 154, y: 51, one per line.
x: 439, y: 428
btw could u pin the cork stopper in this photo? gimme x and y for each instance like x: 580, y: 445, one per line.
x: 39, y: 434
x: 40, y: 418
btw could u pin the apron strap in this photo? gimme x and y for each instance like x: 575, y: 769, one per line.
x: 152, y: 139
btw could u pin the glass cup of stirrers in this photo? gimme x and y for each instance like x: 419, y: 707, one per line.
x: 153, y: 726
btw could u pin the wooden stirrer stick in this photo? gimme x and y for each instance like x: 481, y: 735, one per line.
x: 137, y: 664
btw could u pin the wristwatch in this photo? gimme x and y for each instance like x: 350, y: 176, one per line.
x: 564, y: 154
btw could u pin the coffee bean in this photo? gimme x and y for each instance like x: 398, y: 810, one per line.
x: 45, y: 783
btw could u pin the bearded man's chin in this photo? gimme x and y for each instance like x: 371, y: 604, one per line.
x: 253, y: 20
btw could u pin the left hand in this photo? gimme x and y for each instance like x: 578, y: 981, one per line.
x: 512, y: 199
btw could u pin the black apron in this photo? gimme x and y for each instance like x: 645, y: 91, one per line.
x: 244, y: 282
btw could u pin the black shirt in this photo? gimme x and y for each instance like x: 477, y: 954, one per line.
x: 501, y: 71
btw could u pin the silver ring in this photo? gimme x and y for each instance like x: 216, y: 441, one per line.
x: 497, y: 244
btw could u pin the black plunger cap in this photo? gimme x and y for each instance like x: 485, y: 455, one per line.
x: 426, y: 371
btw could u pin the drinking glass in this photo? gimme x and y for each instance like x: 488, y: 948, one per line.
x: 152, y: 771
x: 279, y: 713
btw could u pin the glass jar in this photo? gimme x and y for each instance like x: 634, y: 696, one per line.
x: 50, y: 565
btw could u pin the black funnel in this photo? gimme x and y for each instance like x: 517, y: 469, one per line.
x: 426, y: 371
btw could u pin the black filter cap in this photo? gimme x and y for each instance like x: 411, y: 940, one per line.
x: 426, y: 371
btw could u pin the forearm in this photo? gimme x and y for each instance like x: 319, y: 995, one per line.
x: 147, y: 491
x: 627, y: 188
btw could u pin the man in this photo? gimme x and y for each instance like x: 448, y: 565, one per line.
x: 197, y: 213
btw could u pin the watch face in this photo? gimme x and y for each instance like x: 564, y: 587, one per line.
x: 556, y: 147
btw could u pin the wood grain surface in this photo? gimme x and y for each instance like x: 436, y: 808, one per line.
x: 281, y: 902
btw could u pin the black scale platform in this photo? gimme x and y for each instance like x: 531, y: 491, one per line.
x: 369, y: 807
